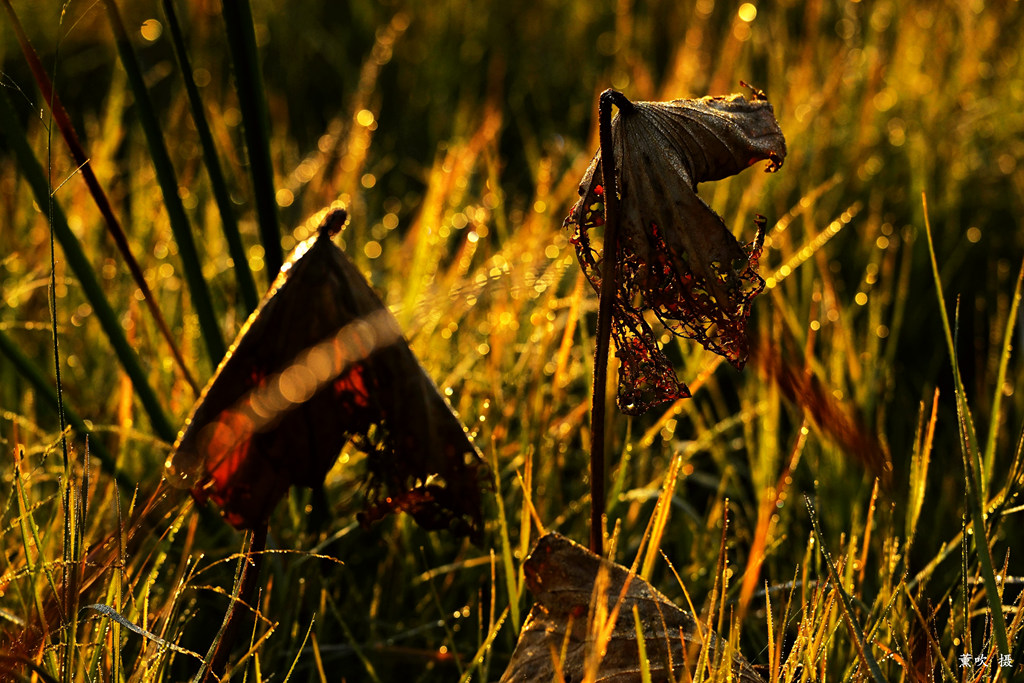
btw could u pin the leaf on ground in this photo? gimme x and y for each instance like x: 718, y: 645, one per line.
x: 571, y: 585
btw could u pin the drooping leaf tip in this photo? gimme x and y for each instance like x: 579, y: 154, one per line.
x: 333, y: 223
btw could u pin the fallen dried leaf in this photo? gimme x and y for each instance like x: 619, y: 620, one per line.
x: 573, y: 588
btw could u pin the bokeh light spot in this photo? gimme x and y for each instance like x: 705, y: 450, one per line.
x: 364, y: 117
x: 151, y: 30
x: 284, y: 197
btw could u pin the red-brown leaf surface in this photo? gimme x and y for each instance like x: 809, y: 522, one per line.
x: 319, y: 363
x: 676, y: 258
x: 562, y: 576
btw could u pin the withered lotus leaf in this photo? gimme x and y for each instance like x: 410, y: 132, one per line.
x: 675, y: 256
x: 559, y: 634
x: 320, y: 362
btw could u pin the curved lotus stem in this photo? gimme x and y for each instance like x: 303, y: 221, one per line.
x: 604, y: 316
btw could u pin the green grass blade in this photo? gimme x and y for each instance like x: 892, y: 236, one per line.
x: 52, y: 301
x: 31, y: 372
x: 30, y: 538
x: 856, y: 631
x: 972, y: 465
x: 997, y: 392
x: 70, y: 572
x: 508, y: 566
x: 919, y: 460
x: 167, y: 179
x: 252, y: 102
x: 641, y: 646
x: 117, y: 584
x: 482, y: 651
x: 298, y: 654
x: 70, y: 503
x: 82, y: 267
x: 243, y: 274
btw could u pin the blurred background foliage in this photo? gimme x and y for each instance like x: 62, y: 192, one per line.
x: 456, y: 133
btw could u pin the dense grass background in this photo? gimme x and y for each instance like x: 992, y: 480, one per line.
x: 456, y: 135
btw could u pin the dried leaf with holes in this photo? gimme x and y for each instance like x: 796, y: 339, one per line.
x: 676, y: 258
x: 321, y: 362
x: 575, y: 590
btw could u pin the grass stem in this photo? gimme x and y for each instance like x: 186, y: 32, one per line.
x: 252, y: 563
x: 238, y: 24
x: 243, y: 274
x: 209, y: 325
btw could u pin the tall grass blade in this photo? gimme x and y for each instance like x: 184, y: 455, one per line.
x: 245, y: 590
x: 641, y: 647
x: 206, y: 670
x: 768, y: 507
x: 243, y: 274
x: 773, y: 659
x: 118, y: 580
x: 52, y: 301
x: 99, y: 196
x: 30, y: 538
x: 69, y: 615
x: 70, y: 548
x: 209, y: 326
x: 919, y: 461
x: 484, y: 647
x: 863, y: 651
x: 997, y: 391
x: 238, y: 26
x: 507, y: 565
x: 659, y: 520
x: 79, y: 505
x: 318, y: 658
x: 82, y: 267
x: 1011, y: 487
x: 298, y: 653
x: 972, y: 464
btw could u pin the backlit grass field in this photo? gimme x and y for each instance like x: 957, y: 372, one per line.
x: 456, y: 135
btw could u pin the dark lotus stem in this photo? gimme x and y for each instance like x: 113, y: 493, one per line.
x: 604, y: 314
